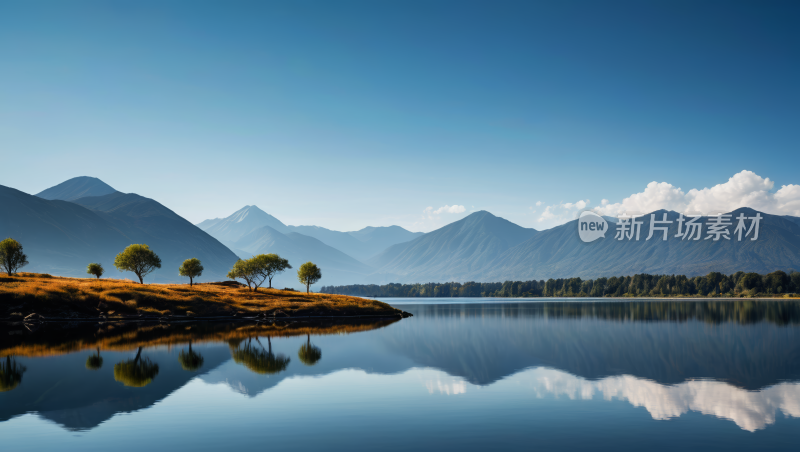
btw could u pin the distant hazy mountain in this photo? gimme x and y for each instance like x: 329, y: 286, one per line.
x: 452, y: 252
x: 62, y: 237
x: 360, y: 245
x: 381, y: 238
x: 171, y: 236
x: 59, y: 237
x: 337, y: 267
x: 76, y: 188
x: 559, y: 252
x: 240, y: 223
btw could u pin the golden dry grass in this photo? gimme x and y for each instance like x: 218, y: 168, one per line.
x: 49, y: 296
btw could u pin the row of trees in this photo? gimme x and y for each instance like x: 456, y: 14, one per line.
x: 263, y: 267
x: 738, y: 284
x: 141, y: 260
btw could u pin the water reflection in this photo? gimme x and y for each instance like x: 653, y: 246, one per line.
x: 190, y: 360
x: 309, y: 354
x: 261, y: 361
x: 10, y: 374
x: 137, y: 373
x: 94, y: 397
x: 485, y: 343
x: 744, y: 311
x: 749, y: 410
x: 95, y: 361
x: 738, y: 361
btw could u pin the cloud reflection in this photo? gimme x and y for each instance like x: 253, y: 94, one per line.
x: 750, y: 410
x: 444, y: 387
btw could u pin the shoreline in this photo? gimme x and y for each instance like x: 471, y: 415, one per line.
x: 187, y: 319
x: 38, y: 298
x: 496, y: 299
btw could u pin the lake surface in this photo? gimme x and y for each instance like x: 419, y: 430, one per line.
x: 476, y: 374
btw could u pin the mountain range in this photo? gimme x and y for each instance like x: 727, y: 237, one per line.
x: 559, y: 252
x: 83, y: 220
x: 62, y: 237
x: 446, y: 254
x: 361, y: 245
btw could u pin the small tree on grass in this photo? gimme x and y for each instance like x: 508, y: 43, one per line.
x: 95, y: 269
x: 191, y: 268
x: 309, y: 274
x: 244, y: 269
x: 139, y: 259
x: 257, y: 269
x: 11, y: 256
x: 270, y: 265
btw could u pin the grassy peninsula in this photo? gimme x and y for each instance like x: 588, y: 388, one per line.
x: 82, y: 298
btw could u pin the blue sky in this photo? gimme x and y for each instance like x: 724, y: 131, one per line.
x: 346, y: 114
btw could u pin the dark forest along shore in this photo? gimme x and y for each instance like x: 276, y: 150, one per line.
x: 638, y: 374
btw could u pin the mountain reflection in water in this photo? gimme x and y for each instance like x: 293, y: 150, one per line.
x: 738, y: 361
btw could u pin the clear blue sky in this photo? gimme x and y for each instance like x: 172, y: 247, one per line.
x: 346, y: 114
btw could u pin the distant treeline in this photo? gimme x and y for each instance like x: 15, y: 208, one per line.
x: 739, y: 284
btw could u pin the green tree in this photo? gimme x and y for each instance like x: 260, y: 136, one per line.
x: 190, y: 360
x: 139, y: 259
x: 94, y: 362
x: 777, y: 282
x: 257, y: 269
x: 795, y: 277
x: 713, y: 281
x: 272, y: 265
x: 750, y: 281
x: 95, y: 269
x: 246, y: 270
x: 11, y: 256
x: 309, y: 354
x: 309, y: 274
x: 191, y: 268
x: 137, y: 372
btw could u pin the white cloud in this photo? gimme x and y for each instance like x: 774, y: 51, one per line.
x: 431, y: 218
x: 744, y: 189
x: 538, y: 203
x: 447, y: 209
x: 559, y: 213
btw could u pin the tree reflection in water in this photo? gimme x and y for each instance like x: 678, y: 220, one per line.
x: 137, y: 372
x: 309, y: 354
x: 94, y: 362
x: 261, y: 361
x: 10, y: 374
x: 190, y: 360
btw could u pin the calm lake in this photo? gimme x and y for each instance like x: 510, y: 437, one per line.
x: 469, y: 374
